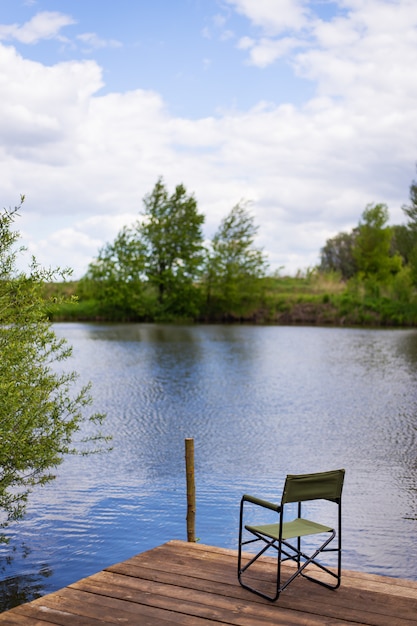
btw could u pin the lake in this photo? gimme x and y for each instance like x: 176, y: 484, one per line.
x: 260, y: 402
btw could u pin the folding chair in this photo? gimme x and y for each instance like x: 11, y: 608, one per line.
x: 285, y: 536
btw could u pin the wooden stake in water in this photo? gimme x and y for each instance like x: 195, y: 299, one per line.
x: 189, y: 468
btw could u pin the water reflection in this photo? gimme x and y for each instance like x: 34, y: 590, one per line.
x: 16, y: 589
x: 406, y: 346
x: 260, y: 402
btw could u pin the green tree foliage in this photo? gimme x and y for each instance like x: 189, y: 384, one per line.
x: 152, y: 268
x: 411, y: 209
x: 372, y: 250
x: 159, y: 268
x: 234, y: 265
x: 337, y: 255
x: 403, y: 242
x: 116, y: 278
x: 41, y: 408
x: 410, y: 235
x: 171, y: 232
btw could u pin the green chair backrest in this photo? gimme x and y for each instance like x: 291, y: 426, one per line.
x: 322, y: 485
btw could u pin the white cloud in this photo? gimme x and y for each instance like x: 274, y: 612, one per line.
x: 227, y: 35
x: 218, y: 27
x: 372, y: 48
x: 246, y: 43
x: 274, y: 16
x: 219, y: 20
x: 43, y: 107
x: 44, y: 25
x: 265, y: 51
x: 95, y: 42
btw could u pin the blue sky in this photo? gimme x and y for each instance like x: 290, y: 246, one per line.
x: 305, y: 109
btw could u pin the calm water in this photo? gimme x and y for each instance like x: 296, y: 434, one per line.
x: 260, y: 402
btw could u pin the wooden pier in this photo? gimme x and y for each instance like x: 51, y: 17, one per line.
x: 193, y: 584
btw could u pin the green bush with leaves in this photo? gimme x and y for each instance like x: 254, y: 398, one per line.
x: 42, y: 405
x: 235, y: 267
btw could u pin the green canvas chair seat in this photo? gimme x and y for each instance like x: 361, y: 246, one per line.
x: 296, y: 528
x: 285, y: 537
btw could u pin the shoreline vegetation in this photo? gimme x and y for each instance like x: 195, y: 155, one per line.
x: 161, y: 269
x: 316, y: 299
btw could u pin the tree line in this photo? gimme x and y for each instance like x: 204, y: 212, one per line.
x: 374, y: 252
x: 161, y: 267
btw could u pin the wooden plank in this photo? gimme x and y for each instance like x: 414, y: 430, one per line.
x: 15, y: 618
x: 70, y: 606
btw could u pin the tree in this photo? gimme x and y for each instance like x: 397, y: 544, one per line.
x: 41, y: 408
x: 411, y: 235
x: 372, y: 250
x: 337, y: 255
x: 403, y: 242
x: 234, y: 265
x: 171, y: 232
x: 116, y: 279
x: 411, y: 209
x: 152, y: 268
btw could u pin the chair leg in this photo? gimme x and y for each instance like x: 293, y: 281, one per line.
x: 311, y: 560
x: 271, y: 598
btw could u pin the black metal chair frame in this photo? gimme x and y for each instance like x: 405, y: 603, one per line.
x: 298, y: 488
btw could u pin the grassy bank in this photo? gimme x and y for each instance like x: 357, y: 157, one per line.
x: 315, y: 299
